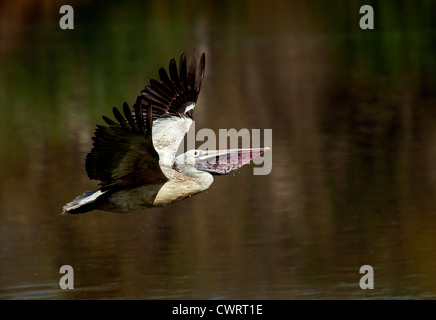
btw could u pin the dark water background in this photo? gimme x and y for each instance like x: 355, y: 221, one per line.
x: 353, y: 117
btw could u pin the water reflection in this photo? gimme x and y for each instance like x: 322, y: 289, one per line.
x: 353, y: 179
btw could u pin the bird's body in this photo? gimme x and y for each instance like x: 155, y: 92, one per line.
x: 135, y: 158
x: 176, y: 188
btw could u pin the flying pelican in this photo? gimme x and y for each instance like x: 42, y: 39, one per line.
x: 135, y: 158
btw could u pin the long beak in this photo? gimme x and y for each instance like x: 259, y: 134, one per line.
x: 226, y: 161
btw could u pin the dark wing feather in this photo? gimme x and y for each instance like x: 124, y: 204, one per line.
x: 174, y: 92
x: 123, y: 152
x: 109, y: 121
x: 124, y: 124
x: 182, y: 71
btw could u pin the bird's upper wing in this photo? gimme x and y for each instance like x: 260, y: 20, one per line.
x: 173, y: 99
x: 123, y: 152
x: 176, y: 94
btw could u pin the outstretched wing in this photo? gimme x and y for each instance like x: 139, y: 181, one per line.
x: 173, y: 99
x: 123, y: 152
x: 175, y: 94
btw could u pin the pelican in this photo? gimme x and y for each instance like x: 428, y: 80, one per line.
x: 134, y: 157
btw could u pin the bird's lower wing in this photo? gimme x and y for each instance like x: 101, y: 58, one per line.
x: 123, y: 153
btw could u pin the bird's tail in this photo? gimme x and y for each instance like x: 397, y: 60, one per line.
x: 88, y: 201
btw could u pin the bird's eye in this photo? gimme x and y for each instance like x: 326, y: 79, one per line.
x: 195, y: 153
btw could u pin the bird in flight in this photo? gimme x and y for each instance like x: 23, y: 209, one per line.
x: 134, y: 157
